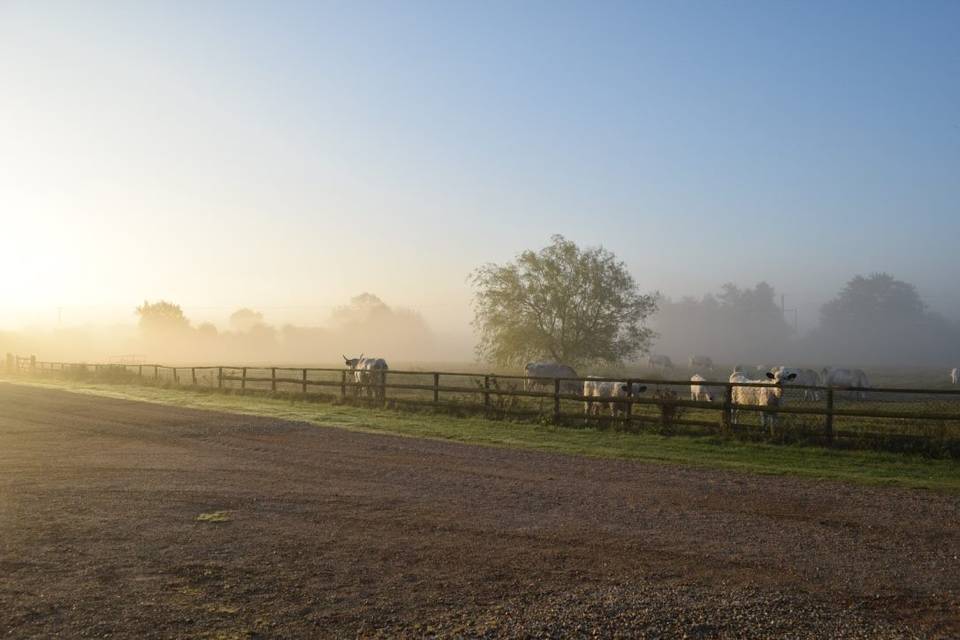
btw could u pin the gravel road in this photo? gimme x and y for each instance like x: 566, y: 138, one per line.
x: 318, y: 532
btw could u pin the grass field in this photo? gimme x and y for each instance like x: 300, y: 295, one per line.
x: 899, y: 422
x: 707, y: 451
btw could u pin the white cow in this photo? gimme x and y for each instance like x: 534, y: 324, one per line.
x: 862, y: 381
x: 369, y: 373
x: 700, y: 391
x: 606, y: 391
x: 955, y: 375
x: 846, y: 378
x: 768, y: 395
x: 805, y: 377
x: 702, y: 362
x: 540, y: 377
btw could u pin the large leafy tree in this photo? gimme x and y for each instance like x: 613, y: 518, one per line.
x: 371, y: 326
x: 564, y: 303
x: 878, y: 319
x: 245, y: 319
x: 157, y: 318
x: 734, y: 325
x: 867, y: 301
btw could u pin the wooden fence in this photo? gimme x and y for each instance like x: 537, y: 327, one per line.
x: 929, y: 413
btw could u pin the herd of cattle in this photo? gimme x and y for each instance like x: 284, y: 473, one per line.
x: 765, y: 391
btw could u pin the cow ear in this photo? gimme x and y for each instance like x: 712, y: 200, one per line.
x: 770, y: 375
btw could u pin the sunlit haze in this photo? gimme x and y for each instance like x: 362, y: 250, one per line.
x: 288, y: 156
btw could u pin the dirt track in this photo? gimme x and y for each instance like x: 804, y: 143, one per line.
x: 334, y: 533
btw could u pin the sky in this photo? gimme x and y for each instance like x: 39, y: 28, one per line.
x: 287, y: 156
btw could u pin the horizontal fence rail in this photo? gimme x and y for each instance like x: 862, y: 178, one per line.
x: 823, y: 414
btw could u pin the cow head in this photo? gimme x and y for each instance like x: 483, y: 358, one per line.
x: 352, y: 362
x: 778, y: 377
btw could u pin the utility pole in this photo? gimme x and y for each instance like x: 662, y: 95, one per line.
x: 783, y: 311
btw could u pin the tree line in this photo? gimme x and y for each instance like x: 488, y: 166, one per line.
x: 366, y: 323
x: 582, y: 307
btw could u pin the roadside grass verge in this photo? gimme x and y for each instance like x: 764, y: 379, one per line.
x: 866, y: 467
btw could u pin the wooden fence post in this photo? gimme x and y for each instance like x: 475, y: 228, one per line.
x: 176, y: 378
x: 243, y: 381
x: 829, y: 419
x: 436, y: 388
x: 219, y: 377
x: 139, y: 370
x: 556, y: 400
x: 193, y: 375
x: 343, y: 384
x: 726, y: 412
x: 486, y: 393
x: 628, y: 413
x: 273, y: 379
x: 304, y: 381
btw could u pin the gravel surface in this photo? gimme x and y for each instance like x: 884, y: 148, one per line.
x: 125, y: 519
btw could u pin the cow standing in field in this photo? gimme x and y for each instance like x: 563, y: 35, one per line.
x: 805, y: 377
x: 702, y: 362
x: 660, y: 362
x: 607, y: 393
x: 767, y: 396
x: 846, y: 378
x: 540, y: 375
x: 862, y: 381
x: 369, y: 373
x: 703, y: 392
x: 955, y: 375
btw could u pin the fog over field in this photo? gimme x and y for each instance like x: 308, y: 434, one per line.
x: 876, y: 320
x: 342, y: 169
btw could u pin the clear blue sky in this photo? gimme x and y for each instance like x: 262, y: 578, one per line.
x: 263, y: 148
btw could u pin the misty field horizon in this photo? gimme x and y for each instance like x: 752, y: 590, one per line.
x: 881, y: 322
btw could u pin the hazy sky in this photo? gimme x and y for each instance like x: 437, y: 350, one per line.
x: 289, y: 155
